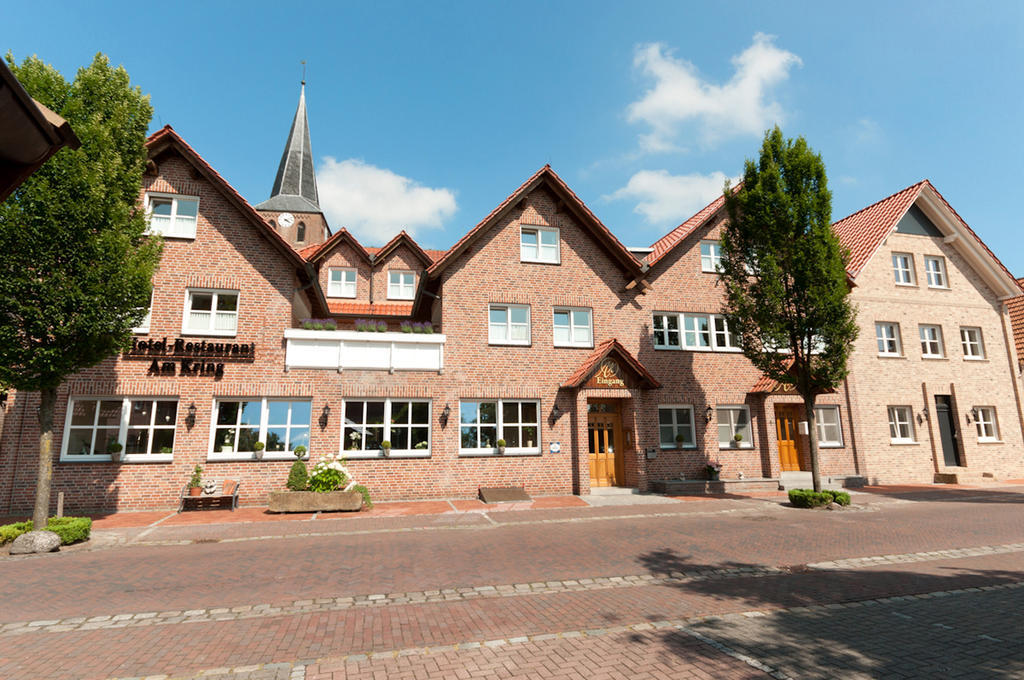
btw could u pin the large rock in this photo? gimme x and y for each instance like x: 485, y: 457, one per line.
x: 35, y: 542
x: 311, y: 501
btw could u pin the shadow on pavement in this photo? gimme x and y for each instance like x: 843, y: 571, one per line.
x: 947, y: 495
x: 943, y: 636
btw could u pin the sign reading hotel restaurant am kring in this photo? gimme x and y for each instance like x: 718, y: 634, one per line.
x: 608, y: 375
x: 192, y: 356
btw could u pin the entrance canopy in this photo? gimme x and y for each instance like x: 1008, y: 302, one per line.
x: 611, y: 366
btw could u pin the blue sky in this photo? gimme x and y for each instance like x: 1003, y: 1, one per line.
x: 426, y: 115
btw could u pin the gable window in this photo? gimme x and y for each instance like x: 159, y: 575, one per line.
x: 826, y: 422
x: 401, y: 285
x: 539, y: 244
x: 279, y: 424
x: 888, y: 336
x: 675, y: 427
x: 722, y: 336
x: 142, y: 428
x: 931, y: 342
x: 903, y: 269
x: 573, y: 327
x: 935, y: 270
x: 973, y: 345
x: 405, y: 423
x: 172, y: 216
x: 211, y: 312
x: 143, y: 326
x: 985, y: 421
x: 341, y: 282
x: 483, y: 423
x: 733, y: 421
x: 696, y: 331
x: 710, y: 256
x: 666, y: 331
x: 901, y: 425
x: 508, y: 324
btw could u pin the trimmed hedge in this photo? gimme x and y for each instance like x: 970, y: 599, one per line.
x: 806, y: 498
x: 70, y: 529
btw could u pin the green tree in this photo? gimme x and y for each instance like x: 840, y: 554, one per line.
x: 75, y: 267
x: 785, y: 279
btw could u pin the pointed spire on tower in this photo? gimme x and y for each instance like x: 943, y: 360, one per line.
x: 295, y: 184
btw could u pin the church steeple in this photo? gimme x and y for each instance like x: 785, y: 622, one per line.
x: 295, y: 184
x: 295, y: 187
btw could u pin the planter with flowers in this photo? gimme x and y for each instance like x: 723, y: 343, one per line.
x: 330, y: 488
x: 714, y: 469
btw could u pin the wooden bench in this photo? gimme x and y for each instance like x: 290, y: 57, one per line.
x: 221, y: 493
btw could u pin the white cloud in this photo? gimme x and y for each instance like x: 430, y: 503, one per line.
x: 865, y: 132
x: 375, y: 203
x: 671, y: 198
x: 743, y: 105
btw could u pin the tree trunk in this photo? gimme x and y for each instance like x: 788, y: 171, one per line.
x: 812, y: 440
x: 47, y: 400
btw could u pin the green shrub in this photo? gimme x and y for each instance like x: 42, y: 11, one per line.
x: 298, y: 477
x: 806, y: 498
x: 70, y: 529
x: 365, y: 494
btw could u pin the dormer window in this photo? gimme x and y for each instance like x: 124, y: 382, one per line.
x: 172, y: 216
x: 341, y: 282
x: 401, y: 285
x: 539, y: 244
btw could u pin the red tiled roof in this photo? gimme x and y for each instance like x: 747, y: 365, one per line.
x: 863, y: 231
x: 1016, y: 308
x: 400, y: 237
x: 320, y: 250
x: 580, y: 375
x: 369, y: 309
x: 666, y: 243
x: 545, y: 174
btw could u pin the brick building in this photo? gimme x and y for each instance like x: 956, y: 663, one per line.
x: 596, y: 365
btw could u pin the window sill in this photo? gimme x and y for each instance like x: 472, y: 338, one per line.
x: 341, y: 297
x: 975, y: 359
x: 136, y: 458
x: 991, y: 441
x: 377, y: 455
x: 566, y: 346
x: 491, y: 453
x: 85, y: 459
x: 890, y: 356
x: 934, y: 358
x: 176, y: 237
x: 906, y: 285
x: 554, y: 262
x: 829, y: 446
x: 241, y: 456
x: 509, y: 344
x: 939, y: 288
x: 212, y: 334
x: 140, y: 331
x: 903, y: 442
x: 726, y: 447
x: 405, y: 299
x: 680, y: 449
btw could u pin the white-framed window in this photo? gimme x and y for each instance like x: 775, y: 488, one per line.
x: 341, y: 282
x: 901, y: 425
x: 539, y: 244
x: 710, y: 256
x: 666, y: 331
x: 931, y: 341
x: 401, y: 285
x: 210, y: 312
x: 935, y: 270
x: 144, y: 428
x: 732, y: 421
x: 143, y: 326
x: 985, y: 421
x: 903, y: 269
x: 675, y: 426
x: 508, y: 324
x: 827, y: 423
x: 972, y: 343
x: 405, y: 423
x: 722, y: 338
x: 280, y: 424
x: 696, y: 331
x: 171, y: 215
x: 888, y: 336
x: 483, y: 422
x: 573, y: 327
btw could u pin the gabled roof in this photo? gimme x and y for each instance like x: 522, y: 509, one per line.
x: 166, y: 138
x: 544, y: 176
x: 864, y: 231
x: 320, y: 250
x: 587, y: 368
x: 400, y: 238
x: 295, y: 184
x: 669, y: 241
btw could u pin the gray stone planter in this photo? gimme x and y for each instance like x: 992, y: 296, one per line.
x: 311, y: 501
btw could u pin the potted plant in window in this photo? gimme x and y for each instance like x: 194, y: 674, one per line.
x: 385, y: 447
x: 166, y: 449
x: 353, y: 441
x: 737, y: 440
x: 679, y: 441
x: 501, y: 446
x: 114, y: 449
x: 257, y: 450
x: 195, y: 482
x: 299, y: 451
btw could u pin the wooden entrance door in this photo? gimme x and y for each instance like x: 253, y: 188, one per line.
x: 785, y: 428
x: 604, y: 430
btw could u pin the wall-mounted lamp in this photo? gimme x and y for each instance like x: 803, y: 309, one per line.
x: 325, y: 415
x: 922, y: 415
x: 556, y: 413
x: 190, y: 419
x: 445, y: 414
x: 708, y: 414
x: 3, y: 400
